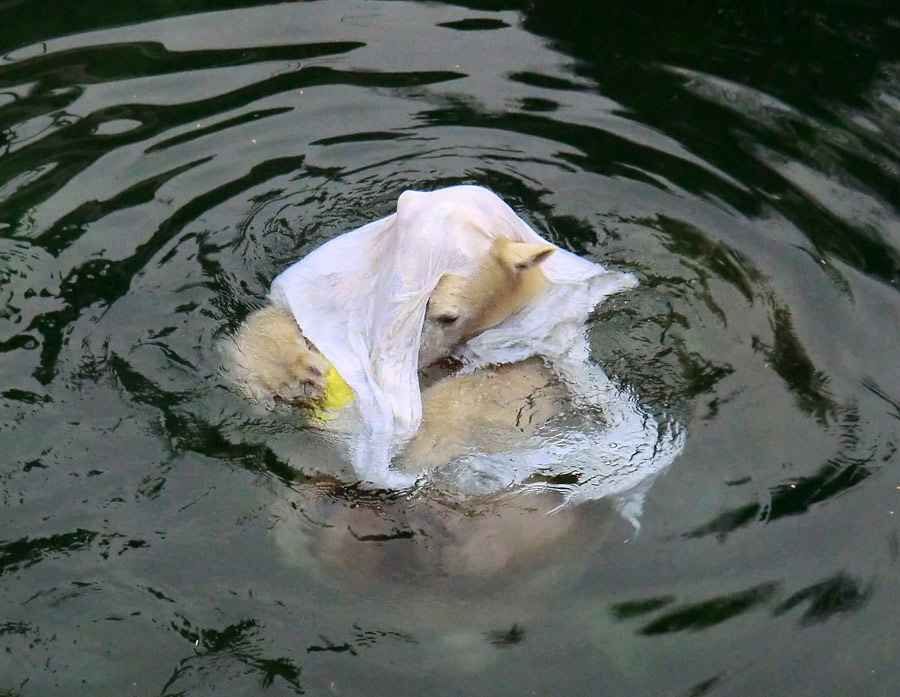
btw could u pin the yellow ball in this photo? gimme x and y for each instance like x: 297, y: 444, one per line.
x: 337, y: 392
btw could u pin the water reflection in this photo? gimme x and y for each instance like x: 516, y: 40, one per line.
x: 742, y: 159
x: 848, y: 467
x: 789, y: 359
x: 362, y: 639
x: 507, y: 637
x: 709, y: 613
x: 231, y: 653
x: 839, y: 594
x: 22, y: 553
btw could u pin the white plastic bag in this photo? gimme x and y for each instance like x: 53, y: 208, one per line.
x: 361, y: 298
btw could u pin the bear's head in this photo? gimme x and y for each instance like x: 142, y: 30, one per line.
x: 461, y: 307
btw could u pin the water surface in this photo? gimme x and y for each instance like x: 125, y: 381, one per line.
x: 161, y: 162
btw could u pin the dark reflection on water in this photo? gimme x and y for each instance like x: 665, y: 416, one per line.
x: 845, y: 470
x: 711, y: 612
x: 189, y: 433
x: 25, y: 552
x: 233, y: 650
x: 506, y: 637
x: 161, y: 162
x: 786, y: 86
x: 839, y: 594
x: 788, y: 358
x: 362, y: 638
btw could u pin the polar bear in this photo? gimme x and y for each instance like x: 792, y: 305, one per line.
x: 480, y: 277
x: 484, y: 410
x: 272, y: 361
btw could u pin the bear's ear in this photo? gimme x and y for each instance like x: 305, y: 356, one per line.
x: 522, y: 256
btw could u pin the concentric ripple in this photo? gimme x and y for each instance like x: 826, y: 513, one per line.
x: 161, y: 162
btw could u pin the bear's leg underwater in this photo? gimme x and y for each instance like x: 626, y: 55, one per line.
x: 363, y: 535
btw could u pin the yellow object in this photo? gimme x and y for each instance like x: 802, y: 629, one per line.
x: 337, y: 392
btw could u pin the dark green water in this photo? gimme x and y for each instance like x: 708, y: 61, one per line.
x: 160, y: 162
